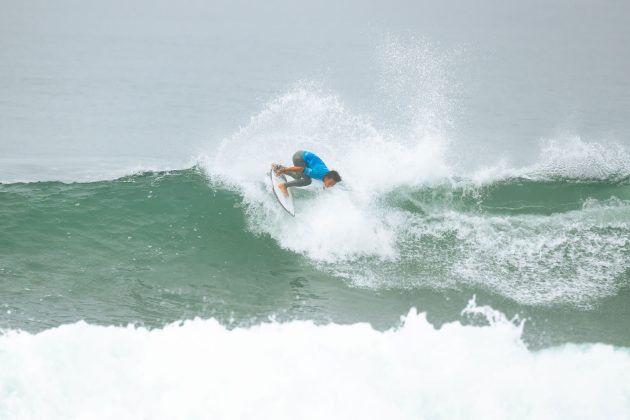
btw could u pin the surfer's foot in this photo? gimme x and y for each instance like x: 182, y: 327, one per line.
x: 283, y: 188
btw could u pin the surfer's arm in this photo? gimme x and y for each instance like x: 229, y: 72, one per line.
x: 290, y: 169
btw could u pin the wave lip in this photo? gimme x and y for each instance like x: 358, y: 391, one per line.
x: 567, y: 158
x: 200, y: 369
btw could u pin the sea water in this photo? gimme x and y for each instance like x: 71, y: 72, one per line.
x: 473, y: 263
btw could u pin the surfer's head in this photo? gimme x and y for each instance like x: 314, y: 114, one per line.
x: 331, y: 178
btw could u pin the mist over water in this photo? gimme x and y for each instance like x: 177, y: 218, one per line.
x: 484, y: 150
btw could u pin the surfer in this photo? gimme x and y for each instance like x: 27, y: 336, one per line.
x: 306, y: 165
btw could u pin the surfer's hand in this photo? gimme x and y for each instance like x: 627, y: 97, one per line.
x: 279, y: 171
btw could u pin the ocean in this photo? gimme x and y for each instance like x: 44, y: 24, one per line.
x: 473, y: 263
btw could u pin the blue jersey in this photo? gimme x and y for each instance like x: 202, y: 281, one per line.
x: 315, y: 167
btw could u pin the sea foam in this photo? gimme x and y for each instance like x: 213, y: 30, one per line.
x: 200, y: 369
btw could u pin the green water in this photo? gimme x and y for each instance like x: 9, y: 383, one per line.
x: 154, y: 248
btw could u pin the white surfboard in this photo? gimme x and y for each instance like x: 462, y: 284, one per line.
x: 285, y: 202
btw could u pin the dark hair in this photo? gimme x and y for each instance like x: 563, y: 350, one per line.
x: 334, y: 175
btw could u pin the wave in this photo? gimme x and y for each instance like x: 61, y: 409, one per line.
x: 409, y: 213
x: 406, y: 216
x: 199, y: 369
x: 535, y: 242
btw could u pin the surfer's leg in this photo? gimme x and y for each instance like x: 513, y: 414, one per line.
x: 298, y: 160
x: 302, y: 181
x: 299, y: 179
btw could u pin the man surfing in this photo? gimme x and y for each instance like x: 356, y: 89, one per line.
x: 306, y: 165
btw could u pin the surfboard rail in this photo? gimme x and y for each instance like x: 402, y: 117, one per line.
x: 285, y: 202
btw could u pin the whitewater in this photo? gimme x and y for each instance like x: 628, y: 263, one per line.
x: 200, y: 369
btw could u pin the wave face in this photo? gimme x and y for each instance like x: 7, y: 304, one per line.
x: 535, y: 242
x: 200, y: 369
